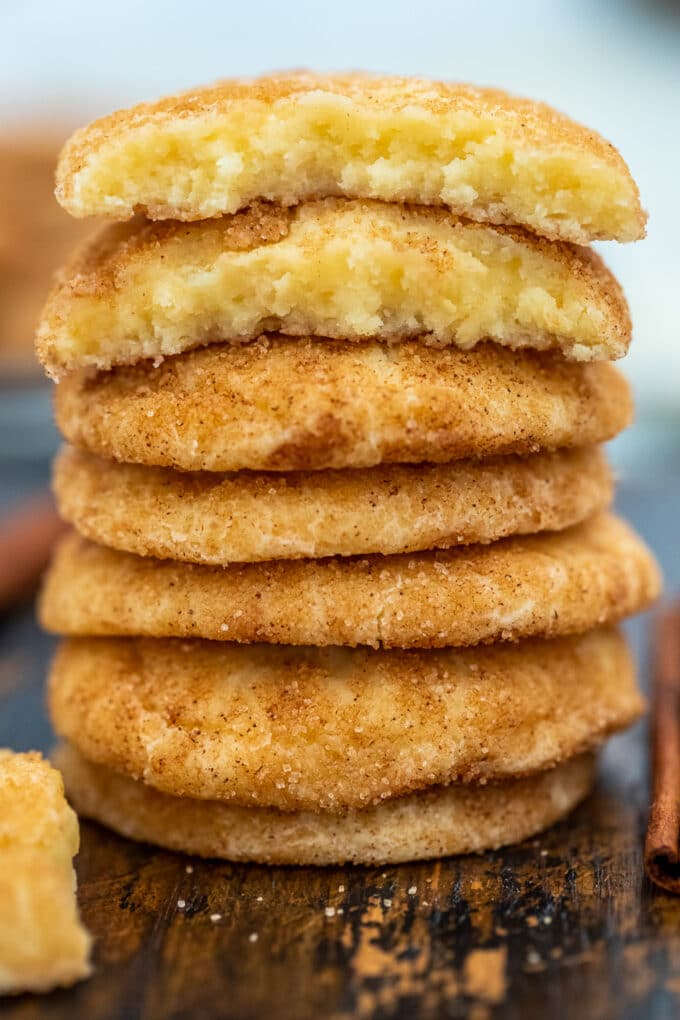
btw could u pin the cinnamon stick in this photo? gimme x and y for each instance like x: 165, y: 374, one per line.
x: 27, y: 536
x: 662, y: 846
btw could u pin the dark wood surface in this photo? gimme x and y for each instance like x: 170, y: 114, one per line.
x: 565, y: 926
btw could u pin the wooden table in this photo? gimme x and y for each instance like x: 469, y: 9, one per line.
x: 564, y: 926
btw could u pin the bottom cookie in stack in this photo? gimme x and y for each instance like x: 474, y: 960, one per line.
x: 438, y: 822
x: 320, y: 756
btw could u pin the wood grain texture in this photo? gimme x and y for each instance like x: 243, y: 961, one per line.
x: 563, y: 927
x: 545, y: 928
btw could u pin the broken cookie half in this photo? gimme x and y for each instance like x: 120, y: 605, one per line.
x: 43, y: 944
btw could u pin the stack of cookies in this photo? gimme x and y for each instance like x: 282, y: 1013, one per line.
x: 342, y: 583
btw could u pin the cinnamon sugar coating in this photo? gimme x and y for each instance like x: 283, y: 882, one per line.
x: 432, y: 823
x: 534, y: 586
x: 348, y: 270
x: 291, y: 137
x: 306, y: 404
x: 336, y: 728
x: 207, y: 517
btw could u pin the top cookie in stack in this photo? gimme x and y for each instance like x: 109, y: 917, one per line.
x: 347, y: 269
x: 289, y: 138
x: 347, y: 317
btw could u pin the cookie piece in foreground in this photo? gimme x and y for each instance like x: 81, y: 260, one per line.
x: 438, y: 822
x: 336, y: 728
x: 203, y: 517
x: 289, y: 137
x: 339, y: 269
x: 43, y: 944
x: 542, y: 585
x: 305, y: 404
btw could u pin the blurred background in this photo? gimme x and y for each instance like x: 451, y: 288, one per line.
x: 613, y: 64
